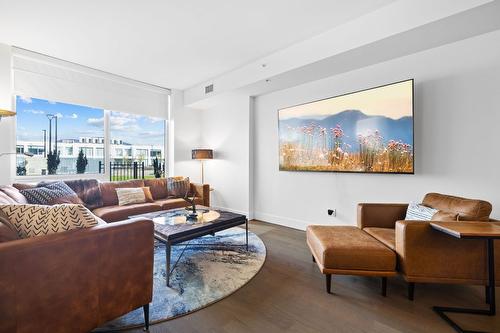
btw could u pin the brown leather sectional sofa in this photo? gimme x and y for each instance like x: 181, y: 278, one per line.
x: 111, y: 211
x: 423, y: 255
x: 77, y: 280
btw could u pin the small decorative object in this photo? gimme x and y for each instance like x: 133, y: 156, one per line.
x: 6, y: 113
x: 193, y: 214
x: 201, y: 155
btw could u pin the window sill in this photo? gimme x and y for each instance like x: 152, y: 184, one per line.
x: 33, y: 179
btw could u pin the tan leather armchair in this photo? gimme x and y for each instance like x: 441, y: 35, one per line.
x: 424, y: 254
x: 77, y: 280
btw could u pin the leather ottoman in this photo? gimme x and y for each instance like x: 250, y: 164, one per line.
x: 348, y: 250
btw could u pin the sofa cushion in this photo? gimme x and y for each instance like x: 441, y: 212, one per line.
x: 467, y: 209
x: 37, y: 220
x: 52, y: 194
x: 24, y: 186
x: 172, y: 203
x: 119, y: 213
x: 88, y: 190
x: 7, y: 232
x: 178, y: 187
x: 347, y: 248
x: 108, y: 190
x: 445, y: 216
x: 14, y: 194
x: 158, y: 187
x: 387, y: 236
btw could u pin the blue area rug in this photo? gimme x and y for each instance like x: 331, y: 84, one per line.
x: 204, y: 275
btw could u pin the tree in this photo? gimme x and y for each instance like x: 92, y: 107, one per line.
x: 81, y: 162
x: 157, y: 167
x: 53, y: 161
x: 21, y: 169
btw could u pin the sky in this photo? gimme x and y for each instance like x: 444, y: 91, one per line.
x: 393, y: 101
x: 76, y: 121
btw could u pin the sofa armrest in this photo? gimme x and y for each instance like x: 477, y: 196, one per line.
x: 381, y: 215
x: 429, y: 255
x: 202, y: 191
x: 76, y: 280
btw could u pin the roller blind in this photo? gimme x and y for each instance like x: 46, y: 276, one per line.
x: 40, y: 76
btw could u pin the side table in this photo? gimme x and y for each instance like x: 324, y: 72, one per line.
x: 472, y: 230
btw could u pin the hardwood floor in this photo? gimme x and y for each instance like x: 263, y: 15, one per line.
x: 288, y: 295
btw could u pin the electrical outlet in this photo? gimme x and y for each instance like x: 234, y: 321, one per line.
x: 332, y: 212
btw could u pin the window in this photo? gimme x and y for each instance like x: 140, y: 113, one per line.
x: 36, y: 150
x: 45, y: 126
x: 155, y: 153
x: 99, y: 152
x: 87, y: 151
x: 139, y: 138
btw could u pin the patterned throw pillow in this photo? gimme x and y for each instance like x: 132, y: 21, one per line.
x: 178, y: 187
x: 51, y: 194
x: 36, y: 220
x: 131, y: 195
x: 419, y: 212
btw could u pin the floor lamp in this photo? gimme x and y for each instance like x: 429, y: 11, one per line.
x: 202, y: 155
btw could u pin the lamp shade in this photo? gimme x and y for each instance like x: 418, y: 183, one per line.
x: 202, y: 154
x: 6, y: 113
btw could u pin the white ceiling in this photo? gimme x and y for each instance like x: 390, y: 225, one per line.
x: 174, y: 44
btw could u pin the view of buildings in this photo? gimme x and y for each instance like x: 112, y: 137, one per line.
x: 45, y: 126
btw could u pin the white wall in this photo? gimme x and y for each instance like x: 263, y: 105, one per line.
x: 457, y: 129
x: 185, y: 135
x: 7, y: 125
x: 226, y: 130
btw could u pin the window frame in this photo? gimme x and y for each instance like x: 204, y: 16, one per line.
x: 105, y: 176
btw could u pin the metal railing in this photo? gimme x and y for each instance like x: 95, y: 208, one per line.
x: 129, y: 170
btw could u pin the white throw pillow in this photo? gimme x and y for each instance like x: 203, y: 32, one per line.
x: 36, y: 220
x: 419, y: 212
x: 128, y: 196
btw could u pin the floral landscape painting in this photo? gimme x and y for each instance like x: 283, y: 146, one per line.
x: 366, y: 131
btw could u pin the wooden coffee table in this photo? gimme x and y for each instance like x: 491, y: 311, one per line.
x: 173, y: 227
x: 472, y: 230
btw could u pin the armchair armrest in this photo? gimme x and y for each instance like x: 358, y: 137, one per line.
x: 427, y: 255
x: 202, y: 191
x: 76, y: 280
x: 381, y: 215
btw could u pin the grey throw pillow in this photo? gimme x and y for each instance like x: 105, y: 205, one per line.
x: 51, y: 194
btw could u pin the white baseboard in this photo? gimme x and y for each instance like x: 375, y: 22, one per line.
x: 270, y: 218
x: 281, y: 220
x: 234, y: 211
